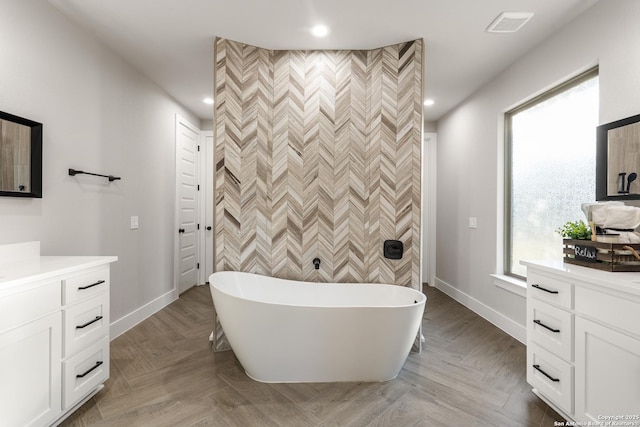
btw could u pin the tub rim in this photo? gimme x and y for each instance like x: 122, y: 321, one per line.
x: 421, y: 301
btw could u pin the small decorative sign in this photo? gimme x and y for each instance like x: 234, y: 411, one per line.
x: 586, y: 253
x: 609, y: 256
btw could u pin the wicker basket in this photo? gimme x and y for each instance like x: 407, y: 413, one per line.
x: 609, y: 256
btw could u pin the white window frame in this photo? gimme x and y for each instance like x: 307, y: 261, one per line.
x: 505, y: 278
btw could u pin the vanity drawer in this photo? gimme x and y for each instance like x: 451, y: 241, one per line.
x: 550, y: 376
x: 85, y: 323
x: 28, y: 303
x: 85, y: 285
x: 84, y: 372
x: 550, y: 289
x: 551, y: 328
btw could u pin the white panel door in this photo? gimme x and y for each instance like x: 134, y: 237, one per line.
x: 187, y: 140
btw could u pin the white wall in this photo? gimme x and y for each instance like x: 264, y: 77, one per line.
x: 470, y: 138
x: 430, y: 127
x: 99, y: 115
x: 206, y: 124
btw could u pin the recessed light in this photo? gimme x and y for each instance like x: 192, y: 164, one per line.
x: 320, y: 30
x: 208, y: 101
x: 429, y: 102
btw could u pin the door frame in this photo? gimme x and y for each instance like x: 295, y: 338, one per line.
x: 207, y: 242
x: 429, y: 197
x: 181, y: 121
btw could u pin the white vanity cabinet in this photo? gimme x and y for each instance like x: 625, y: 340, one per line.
x: 54, y: 333
x: 583, y: 341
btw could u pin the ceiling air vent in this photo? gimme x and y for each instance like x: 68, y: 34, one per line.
x: 509, y: 22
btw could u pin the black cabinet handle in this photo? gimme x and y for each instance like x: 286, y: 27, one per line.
x: 89, y: 322
x: 99, y: 282
x: 543, y: 289
x: 538, y: 322
x: 90, y: 370
x: 209, y: 228
x: 180, y: 230
x: 537, y: 368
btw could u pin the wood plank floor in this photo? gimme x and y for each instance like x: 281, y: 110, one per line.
x: 163, y: 373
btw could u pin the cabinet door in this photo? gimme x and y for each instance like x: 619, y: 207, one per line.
x: 607, y: 370
x: 31, y: 372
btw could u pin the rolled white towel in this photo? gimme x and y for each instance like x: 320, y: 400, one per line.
x: 628, y: 237
x: 597, y: 212
x: 622, y: 217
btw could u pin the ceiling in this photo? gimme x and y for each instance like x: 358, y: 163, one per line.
x: 171, y: 41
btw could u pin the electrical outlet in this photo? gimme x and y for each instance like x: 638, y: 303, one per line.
x: 134, y: 222
x: 473, y: 222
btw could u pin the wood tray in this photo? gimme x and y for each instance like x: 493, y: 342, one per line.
x: 609, y: 256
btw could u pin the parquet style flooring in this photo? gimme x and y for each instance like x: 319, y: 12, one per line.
x: 163, y: 373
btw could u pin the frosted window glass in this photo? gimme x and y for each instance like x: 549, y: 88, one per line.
x: 553, y: 158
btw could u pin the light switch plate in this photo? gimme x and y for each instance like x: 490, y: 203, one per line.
x: 134, y: 222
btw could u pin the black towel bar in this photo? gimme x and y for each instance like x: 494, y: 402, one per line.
x: 111, y: 178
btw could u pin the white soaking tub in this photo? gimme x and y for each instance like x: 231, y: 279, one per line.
x: 291, y: 331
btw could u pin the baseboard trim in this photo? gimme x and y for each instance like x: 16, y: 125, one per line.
x: 509, y: 326
x: 127, y: 322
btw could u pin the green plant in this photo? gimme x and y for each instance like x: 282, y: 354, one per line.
x: 575, y: 230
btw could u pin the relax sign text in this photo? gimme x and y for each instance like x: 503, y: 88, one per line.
x: 586, y: 253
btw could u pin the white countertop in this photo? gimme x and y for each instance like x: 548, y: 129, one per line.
x: 44, y: 267
x: 621, y: 281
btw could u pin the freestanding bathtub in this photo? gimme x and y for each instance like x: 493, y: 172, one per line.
x: 291, y: 331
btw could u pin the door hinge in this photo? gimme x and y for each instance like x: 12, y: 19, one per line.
x: 198, y: 148
x: 198, y: 226
x: 198, y: 266
x: 198, y: 187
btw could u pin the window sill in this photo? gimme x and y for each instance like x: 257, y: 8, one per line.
x: 511, y: 284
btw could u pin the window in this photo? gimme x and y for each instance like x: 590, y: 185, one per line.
x: 550, y: 156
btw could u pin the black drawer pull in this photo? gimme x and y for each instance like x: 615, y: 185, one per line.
x: 537, y: 368
x: 99, y: 282
x: 90, y: 370
x: 538, y: 322
x: 89, y: 322
x: 543, y: 289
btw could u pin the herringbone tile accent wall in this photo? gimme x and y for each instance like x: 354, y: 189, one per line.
x: 318, y: 155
